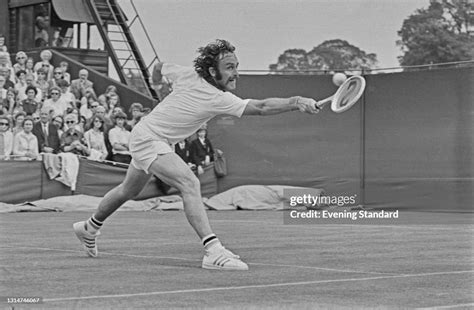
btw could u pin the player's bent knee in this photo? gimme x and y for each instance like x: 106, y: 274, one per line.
x: 189, y: 184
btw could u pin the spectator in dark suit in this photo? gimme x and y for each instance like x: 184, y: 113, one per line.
x: 201, y: 151
x: 47, y: 133
x: 182, y: 149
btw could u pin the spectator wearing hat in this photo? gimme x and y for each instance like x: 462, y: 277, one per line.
x: 119, y: 138
x: 30, y: 104
x: 201, y: 150
x: 46, y: 133
x: 6, y: 138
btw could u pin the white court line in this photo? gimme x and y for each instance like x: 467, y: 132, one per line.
x: 101, y: 253
x: 460, y: 227
x: 448, y: 306
x: 196, y: 260
x: 326, y: 269
x: 228, y: 288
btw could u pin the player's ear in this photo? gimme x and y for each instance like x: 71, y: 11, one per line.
x: 212, y: 71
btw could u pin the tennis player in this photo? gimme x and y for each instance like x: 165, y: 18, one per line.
x: 199, y: 94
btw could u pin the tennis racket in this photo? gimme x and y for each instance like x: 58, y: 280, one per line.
x: 346, y: 95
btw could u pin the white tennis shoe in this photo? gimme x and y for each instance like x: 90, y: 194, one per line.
x: 86, y: 238
x: 223, y: 259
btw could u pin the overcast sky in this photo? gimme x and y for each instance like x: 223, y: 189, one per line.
x: 261, y: 30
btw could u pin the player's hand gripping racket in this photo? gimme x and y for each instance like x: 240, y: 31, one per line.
x: 346, y: 95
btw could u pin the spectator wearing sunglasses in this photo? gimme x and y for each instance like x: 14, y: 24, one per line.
x: 56, y: 102
x: 72, y: 140
x: 89, y: 103
x: 20, y: 62
x: 57, y: 76
x: 35, y: 117
x: 45, y: 63
x: 6, y: 138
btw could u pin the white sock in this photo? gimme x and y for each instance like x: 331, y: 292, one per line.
x: 211, y: 243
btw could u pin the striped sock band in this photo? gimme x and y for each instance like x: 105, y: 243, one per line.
x: 93, y: 224
x: 210, y: 241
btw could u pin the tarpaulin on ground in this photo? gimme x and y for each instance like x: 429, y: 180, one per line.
x: 407, y: 144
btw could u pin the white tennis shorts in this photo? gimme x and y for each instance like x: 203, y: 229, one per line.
x: 145, y: 147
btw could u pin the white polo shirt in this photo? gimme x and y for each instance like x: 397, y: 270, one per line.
x: 192, y: 103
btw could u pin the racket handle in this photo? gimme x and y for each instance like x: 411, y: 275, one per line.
x: 322, y: 103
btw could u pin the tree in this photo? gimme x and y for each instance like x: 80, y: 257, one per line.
x: 438, y: 34
x: 337, y: 55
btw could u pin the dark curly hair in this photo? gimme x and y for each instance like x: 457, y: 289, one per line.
x: 209, y: 57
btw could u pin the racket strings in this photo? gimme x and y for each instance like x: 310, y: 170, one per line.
x: 348, y: 94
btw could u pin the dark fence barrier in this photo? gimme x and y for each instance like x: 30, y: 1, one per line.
x: 407, y: 144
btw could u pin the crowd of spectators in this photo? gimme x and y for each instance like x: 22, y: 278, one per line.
x: 43, y: 109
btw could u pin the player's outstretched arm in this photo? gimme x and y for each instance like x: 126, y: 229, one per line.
x: 271, y: 106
